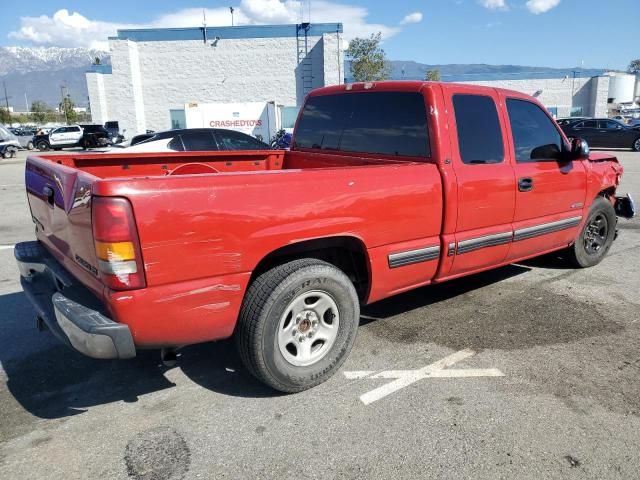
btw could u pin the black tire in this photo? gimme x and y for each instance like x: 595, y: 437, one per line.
x: 596, y: 236
x: 30, y: 146
x: 43, y: 146
x: 10, y: 152
x: 265, y: 304
x: 636, y: 145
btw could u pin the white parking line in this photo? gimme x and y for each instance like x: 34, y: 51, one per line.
x: 5, y: 247
x: 404, y: 378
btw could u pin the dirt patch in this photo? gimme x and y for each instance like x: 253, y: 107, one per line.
x: 159, y: 453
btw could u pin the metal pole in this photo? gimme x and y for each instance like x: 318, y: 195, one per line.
x: 26, y: 102
x: 6, y: 97
x: 231, y: 10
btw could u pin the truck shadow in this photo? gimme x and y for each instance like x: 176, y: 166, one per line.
x: 49, y: 380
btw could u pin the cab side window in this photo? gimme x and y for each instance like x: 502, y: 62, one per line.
x: 479, y: 132
x: 535, y: 137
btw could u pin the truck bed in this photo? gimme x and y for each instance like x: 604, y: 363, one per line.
x: 118, y: 165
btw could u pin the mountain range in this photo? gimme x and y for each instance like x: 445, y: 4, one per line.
x: 39, y: 73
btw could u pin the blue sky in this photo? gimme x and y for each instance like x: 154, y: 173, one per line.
x: 554, y: 33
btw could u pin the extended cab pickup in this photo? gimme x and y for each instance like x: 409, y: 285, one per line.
x: 388, y: 186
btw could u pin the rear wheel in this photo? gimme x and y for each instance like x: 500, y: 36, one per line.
x: 297, y: 324
x: 636, y: 145
x: 30, y: 146
x: 596, y: 236
x: 10, y: 152
x: 43, y: 146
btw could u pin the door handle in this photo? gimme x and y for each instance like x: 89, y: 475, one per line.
x: 48, y: 192
x: 525, y: 184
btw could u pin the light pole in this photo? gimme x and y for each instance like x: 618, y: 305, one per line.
x: 231, y: 10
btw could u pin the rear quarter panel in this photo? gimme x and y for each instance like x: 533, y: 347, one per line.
x: 205, y: 226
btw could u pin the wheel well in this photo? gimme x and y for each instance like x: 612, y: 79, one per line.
x: 347, y: 253
x: 608, y: 192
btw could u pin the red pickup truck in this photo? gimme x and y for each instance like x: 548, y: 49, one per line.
x: 388, y: 186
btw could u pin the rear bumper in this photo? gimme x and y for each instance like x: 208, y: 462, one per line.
x: 72, y: 313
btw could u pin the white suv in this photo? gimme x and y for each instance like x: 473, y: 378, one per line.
x: 61, y: 137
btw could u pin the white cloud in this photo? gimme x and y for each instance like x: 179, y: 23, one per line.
x: 541, y: 6
x: 71, y: 29
x: 494, y: 4
x: 415, y: 17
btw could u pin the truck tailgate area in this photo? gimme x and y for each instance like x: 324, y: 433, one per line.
x: 60, y: 202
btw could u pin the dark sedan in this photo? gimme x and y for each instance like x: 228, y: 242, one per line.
x: 604, y: 133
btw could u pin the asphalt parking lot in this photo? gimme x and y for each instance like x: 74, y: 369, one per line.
x: 540, y: 379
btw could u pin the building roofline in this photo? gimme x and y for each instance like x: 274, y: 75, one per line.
x: 240, y: 32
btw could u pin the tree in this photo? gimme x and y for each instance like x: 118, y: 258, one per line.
x: 5, y: 115
x: 634, y: 66
x: 39, y: 111
x: 368, y: 60
x: 432, y: 75
x: 66, y: 107
x: 22, y: 118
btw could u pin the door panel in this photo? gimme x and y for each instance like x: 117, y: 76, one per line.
x: 486, y: 187
x: 550, y: 192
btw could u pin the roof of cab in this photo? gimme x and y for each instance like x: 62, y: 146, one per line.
x: 404, y: 86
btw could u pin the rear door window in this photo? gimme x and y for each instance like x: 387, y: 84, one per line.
x: 385, y: 123
x: 198, y: 141
x: 535, y: 136
x: 479, y: 131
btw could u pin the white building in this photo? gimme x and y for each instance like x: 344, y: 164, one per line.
x: 563, y: 97
x: 155, y: 72
x: 566, y: 96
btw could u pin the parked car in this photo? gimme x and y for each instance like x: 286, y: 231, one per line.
x: 604, y: 133
x: 94, y: 136
x: 9, y: 142
x: 25, y: 137
x: 67, y: 136
x: 378, y: 195
x: 193, y: 140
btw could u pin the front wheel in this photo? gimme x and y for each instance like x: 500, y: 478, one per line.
x: 10, y: 152
x: 636, y: 145
x: 43, y: 146
x: 596, y: 236
x: 297, y: 324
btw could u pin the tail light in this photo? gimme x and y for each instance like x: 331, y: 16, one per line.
x: 117, y: 244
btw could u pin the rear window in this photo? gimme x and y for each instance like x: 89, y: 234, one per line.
x: 386, y: 123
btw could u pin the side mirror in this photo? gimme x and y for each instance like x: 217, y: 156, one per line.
x: 579, y: 149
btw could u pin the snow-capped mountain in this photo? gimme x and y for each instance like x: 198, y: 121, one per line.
x: 38, y: 72
x: 28, y: 59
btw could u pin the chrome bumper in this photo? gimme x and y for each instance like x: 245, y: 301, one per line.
x: 71, y: 312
